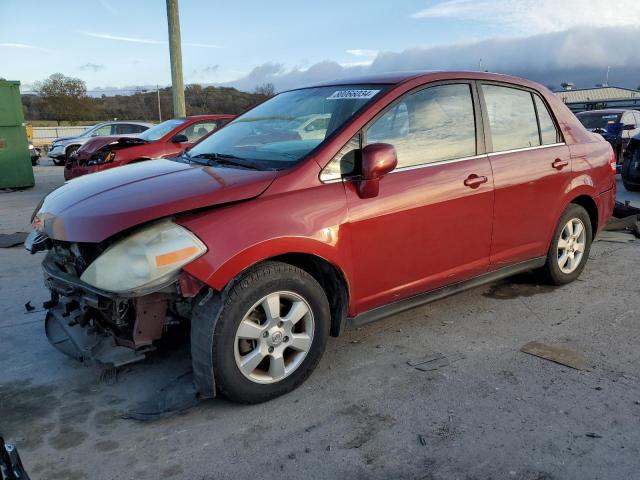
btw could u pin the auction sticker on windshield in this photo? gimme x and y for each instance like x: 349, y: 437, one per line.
x: 352, y: 94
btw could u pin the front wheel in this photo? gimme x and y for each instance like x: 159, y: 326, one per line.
x: 570, y: 246
x: 270, y: 334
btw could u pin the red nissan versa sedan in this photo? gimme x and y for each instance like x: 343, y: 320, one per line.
x: 422, y: 185
x: 166, y: 139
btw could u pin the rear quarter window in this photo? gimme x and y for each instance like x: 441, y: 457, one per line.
x: 548, y: 131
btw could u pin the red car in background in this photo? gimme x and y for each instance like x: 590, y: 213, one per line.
x: 167, y: 139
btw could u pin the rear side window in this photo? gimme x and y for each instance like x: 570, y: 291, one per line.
x: 430, y: 125
x: 512, y: 118
x: 548, y: 131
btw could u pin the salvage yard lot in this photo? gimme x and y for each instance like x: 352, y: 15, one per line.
x: 490, y: 411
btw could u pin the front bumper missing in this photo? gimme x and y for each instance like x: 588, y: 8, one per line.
x: 86, y: 344
x: 82, y: 321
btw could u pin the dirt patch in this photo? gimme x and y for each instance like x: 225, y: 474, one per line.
x: 367, y: 424
x: 106, y: 446
x: 171, y: 471
x: 526, y: 285
x: 67, y: 437
x: 25, y: 410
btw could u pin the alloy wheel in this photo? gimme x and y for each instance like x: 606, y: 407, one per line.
x: 274, y: 337
x: 571, y: 245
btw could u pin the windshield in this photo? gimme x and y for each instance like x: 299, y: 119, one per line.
x: 599, y: 120
x: 90, y: 130
x: 275, y: 135
x: 160, y: 130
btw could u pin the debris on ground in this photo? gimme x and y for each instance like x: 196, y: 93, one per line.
x: 615, y: 237
x: 434, y: 361
x: 8, y: 240
x: 592, y: 435
x: 561, y: 354
x: 178, y: 395
x: 422, y: 440
x: 28, y: 307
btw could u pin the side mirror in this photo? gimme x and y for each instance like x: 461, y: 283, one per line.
x: 629, y: 127
x: 378, y: 159
x: 179, y: 138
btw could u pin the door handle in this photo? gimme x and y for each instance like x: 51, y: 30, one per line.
x: 474, y: 181
x: 559, y: 164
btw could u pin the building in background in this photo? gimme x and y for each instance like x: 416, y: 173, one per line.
x: 598, y: 98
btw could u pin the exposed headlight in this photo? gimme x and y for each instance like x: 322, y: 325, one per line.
x: 31, y: 147
x: 149, y: 258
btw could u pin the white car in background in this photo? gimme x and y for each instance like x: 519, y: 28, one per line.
x: 62, y: 148
x: 311, y: 127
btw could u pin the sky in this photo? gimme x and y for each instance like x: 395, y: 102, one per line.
x: 123, y: 44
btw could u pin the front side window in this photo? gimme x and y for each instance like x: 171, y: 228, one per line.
x: 160, y: 130
x: 512, y: 118
x: 272, y: 135
x: 548, y: 131
x: 102, y: 131
x: 196, y: 131
x: 430, y: 125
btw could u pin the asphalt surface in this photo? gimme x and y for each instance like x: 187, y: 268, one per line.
x: 492, y: 413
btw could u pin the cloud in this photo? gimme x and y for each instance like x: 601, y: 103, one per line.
x: 534, y: 16
x: 210, y: 69
x: 94, y: 67
x: 581, y: 55
x: 359, y: 52
x: 108, y: 36
x: 23, y: 46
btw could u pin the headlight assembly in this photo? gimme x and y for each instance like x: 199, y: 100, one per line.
x: 148, y: 259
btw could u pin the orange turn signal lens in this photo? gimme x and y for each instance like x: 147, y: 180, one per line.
x: 175, y: 256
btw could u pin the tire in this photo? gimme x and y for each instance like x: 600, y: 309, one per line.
x: 275, y: 339
x: 555, y: 270
x: 69, y: 151
x: 626, y: 171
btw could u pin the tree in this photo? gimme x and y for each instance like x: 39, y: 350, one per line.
x: 65, y: 98
x: 265, y: 90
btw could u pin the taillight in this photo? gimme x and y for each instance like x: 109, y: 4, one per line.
x: 612, y: 161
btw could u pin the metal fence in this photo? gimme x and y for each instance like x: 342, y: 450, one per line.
x: 42, y: 136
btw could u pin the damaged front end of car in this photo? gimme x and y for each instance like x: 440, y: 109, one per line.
x: 112, y: 301
x: 99, y: 152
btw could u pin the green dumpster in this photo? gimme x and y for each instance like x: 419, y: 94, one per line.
x: 15, y: 161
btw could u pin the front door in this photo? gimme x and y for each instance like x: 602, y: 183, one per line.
x: 430, y: 225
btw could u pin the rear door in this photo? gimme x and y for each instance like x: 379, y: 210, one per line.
x: 531, y: 171
x: 430, y: 225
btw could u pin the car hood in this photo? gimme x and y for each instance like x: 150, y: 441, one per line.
x: 95, y: 207
x: 95, y: 144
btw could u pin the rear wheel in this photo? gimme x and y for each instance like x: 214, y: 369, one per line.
x: 628, y: 171
x: 270, y: 334
x: 569, y: 249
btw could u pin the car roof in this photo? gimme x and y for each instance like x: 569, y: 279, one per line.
x: 204, y: 117
x: 134, y: 122
x: 607, y: 110
x: 394, y: 78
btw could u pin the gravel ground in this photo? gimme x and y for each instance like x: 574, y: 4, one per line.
x: 494, y: 413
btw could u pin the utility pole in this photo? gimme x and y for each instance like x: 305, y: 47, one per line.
x: 175, y: 54
x: 159, y: 109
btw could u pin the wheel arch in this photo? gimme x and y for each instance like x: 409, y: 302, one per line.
x: 589, y: 204
x: 330, y: 278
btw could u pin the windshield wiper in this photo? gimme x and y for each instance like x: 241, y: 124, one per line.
x: 223, y: 159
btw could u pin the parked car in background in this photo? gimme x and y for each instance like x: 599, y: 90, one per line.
x: 617, y: 126
x: 62, y: 148
x: 267, y: 243
x: 34, y: 152
x: 168, y: 139
x: 631, y: 165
